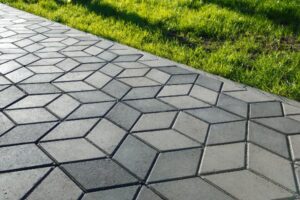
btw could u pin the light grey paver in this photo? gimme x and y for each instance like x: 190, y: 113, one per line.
x: 117, y: 123
x: 72, y: 150
x: 189, y: 189
x: 56, y: 185
x: 135, y: 156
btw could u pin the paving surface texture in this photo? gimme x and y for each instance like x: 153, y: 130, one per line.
x: 82, y: 117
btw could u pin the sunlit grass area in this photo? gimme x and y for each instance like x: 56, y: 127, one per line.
x: 254, y: 42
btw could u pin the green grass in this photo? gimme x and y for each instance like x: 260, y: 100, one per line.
x: 254, y: 42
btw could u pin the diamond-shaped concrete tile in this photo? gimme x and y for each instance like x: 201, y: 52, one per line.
x: 99, y: 174
x: 25, y: 133
x: 139, y: 82
x: 150, y: 105
x: 123, y: 193
x: 214, y: 115
x: 5, y: 124
x: 248, y: 186
x: 182, y: 79
x: 91, y: 110
x: 88, y: 67
x: 233, y: 105
x: 191, y: 126
x: 158, y: 76
x: 204, y: 94
x: 27, y: 179
x: 129, y: 65
x: 135, y: 156
x: 63, y: 106
x: 175, y: 90
x: 70, y: 129
x: 9, y: 95
x: 9, y: 66
x: 282, y: 124
x: 271, y: 166
x: 133, y: 72
x: 73, y: 86
x: 175, y: 164
x: 174, y: 70
x: 106, y: 135
x: 127, y: 58
x: 265, y: 109
x: 227, y: 132
x: 167, y: 140
x: 269, y: 139
x: 73, y: 76
x: 123, y: 115
x: 27, y: 59
x: 147, y: 194
x: 223, y: 157
x: 116, y: 89
x: 25, y: 116
x: 33, y: 101
x: 91, y: 96
x: 22, y: 156
x: 98, y: 79
x: 152, y: 121
x: 67, y: 64
x: 56, y: 185
x: 290, y: 109
x: 47, y: 61
x: 184, y: 102
x: 72, y: 150
x: 189, y: 189
x: 39, y: 88
x: 111, y: 69
x: 142, y: 92
x: 45, y: 69
x: 249, y: 96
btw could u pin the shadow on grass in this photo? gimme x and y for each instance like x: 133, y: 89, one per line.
x: 287, y: 16
x: 107, y: 10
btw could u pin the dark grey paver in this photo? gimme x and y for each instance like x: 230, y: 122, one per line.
x: 123, y: 115
x: 99, y: 174
x: 91, y: 96
x: 189, y: 189
x: 135, y: 156
x: 175, y: 90
x: 270, y: 139
x: 227, y: 132
x: 233, y: 105
x: 283, y: 124
x: 265, y: 109
x: 158, y: 121
x: 182, y: 79
x: 175, y: 164
x: 123, y: 193
x: 91, y: 110
x: 116, y: 89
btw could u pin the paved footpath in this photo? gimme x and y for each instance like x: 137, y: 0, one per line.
x: 84, y: 118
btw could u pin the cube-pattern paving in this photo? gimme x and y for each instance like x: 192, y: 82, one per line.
x: 82, y: 117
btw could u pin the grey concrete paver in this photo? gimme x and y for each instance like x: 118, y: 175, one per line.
x: 82, y: 117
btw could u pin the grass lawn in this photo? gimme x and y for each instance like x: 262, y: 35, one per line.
x: 256, y: 42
